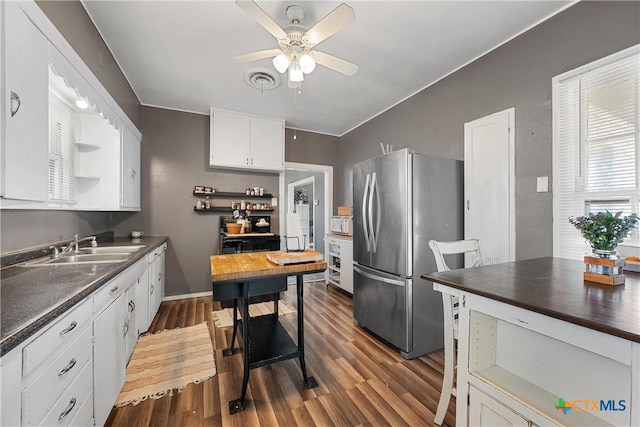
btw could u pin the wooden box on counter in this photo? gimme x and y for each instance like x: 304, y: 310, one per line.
x: 612, y: 270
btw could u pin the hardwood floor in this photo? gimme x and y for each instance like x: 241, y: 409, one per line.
x: 362, y: 382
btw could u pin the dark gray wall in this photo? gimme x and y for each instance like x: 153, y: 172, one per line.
x: 316, y: 149
x: 517, y: 74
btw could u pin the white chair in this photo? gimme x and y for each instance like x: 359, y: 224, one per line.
x: 294, y: 240
x: 450, y: 309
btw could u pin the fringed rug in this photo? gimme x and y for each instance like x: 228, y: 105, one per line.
x: 168, y: 361
x: 224, y: 318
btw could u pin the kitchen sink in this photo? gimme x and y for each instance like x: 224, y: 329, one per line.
x: 111, y: 249
x: 107, y: 258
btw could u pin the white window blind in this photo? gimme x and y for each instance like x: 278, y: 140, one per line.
x: 596, y: 145
x: 63, y: 122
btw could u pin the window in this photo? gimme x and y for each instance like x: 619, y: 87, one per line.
x: 63, y: 127
x: 596, y: 145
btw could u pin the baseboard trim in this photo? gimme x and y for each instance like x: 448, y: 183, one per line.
x: 185, y: 296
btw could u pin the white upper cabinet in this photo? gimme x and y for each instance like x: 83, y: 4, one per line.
x: 241, y: 141
x: 25, y: 149
x: 56, y: 154
x: 130, y: 179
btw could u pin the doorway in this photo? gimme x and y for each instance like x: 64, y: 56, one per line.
x: 301, y: 200
x: 314, y: 184
x: 489, y: 185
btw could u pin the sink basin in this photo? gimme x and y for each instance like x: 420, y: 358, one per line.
x: 111, y: 249
x: 81, y: 259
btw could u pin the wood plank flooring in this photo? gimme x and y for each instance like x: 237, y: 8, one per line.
x: 361, y: 381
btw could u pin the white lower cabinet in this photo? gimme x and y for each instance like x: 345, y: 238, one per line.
x: 156, y: 279
x: 131, y: 321
x: 109, y: 357
x: 339, y: 254
x: 485, y: 411
x: 515, y: 366
x: 143, y: 318
x: 70, y: 401
x: 72, y: 371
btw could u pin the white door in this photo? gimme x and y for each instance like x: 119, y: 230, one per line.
x: 484, y: 411
x: 489, y: 185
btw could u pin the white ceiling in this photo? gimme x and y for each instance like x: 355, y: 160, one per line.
x: 176, y: 54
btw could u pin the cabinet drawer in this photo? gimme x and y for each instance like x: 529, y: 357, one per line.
x: 71, y: 400
x: 64, y: 330
x: 84, y: 416
x: 42, y: 392
x: 107, y: 294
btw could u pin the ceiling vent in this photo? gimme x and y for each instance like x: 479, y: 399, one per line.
x: 261, y: 79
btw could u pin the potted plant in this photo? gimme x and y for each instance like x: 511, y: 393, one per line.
x: 233, y: 227
x: 604, y: 230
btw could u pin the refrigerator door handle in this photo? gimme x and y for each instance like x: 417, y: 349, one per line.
x: 376, y: 234
x: 378, y: 278
x: 364, y: 215
x: 374, y: 244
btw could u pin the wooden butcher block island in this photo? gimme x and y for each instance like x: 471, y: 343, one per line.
x: 241, y: 276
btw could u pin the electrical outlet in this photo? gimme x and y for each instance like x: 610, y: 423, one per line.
x: 543, y: 184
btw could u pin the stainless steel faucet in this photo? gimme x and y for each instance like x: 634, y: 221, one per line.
x: 74, y: 245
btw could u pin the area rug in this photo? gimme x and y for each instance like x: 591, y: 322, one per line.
x: 224, y: 318
x: 166, y: 362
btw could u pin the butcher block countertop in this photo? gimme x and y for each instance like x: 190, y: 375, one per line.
x: 555, y: 287
x: 238, y: 267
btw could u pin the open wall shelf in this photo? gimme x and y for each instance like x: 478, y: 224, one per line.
x: 223, y: 195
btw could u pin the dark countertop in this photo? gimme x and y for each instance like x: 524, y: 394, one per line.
x: 555, y: 287
x: 31, y: 297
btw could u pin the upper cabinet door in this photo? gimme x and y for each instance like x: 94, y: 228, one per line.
x: 230, y: 136
x: 241, y: 141
x: 267, y: 144
x: 26, y: 143
x: 130, y: 191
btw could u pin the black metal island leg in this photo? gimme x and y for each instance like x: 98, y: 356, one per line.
x: 238, y: 404
x: 309, y: 381
x: 231, y: 351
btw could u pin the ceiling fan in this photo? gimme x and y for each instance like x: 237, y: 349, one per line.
x: 296, y: 42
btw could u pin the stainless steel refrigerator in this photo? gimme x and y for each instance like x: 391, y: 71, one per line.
x: 401, y: 200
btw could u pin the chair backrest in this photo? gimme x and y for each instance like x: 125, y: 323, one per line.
x: 294, y: 239
x: 459, y: 247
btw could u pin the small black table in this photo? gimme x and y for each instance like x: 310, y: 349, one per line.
x: 241, y: 276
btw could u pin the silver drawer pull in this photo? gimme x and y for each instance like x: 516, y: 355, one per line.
x: 114, y: 289
x: 15, y: 98
x: 69, y: 408
x: 67, y: 368
x: 68, y: 329
x: 153, y: 288
x: 522, y: 321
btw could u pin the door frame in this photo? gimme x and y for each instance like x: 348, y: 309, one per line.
x: 327, y: 171
x: 511, y: 114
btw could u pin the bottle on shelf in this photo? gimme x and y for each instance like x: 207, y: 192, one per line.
x: 207, y: 204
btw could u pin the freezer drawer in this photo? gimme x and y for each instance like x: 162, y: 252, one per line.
x: 380, y: 305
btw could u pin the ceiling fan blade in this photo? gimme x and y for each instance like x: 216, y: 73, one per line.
x: 254, y: 56
x: 260, y: 16
x: 335, y: 63
x: 336, y: 20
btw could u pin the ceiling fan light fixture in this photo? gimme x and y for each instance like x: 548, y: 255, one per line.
x: 295, y: 72
x: 307, y: 63
x: 281, y: 63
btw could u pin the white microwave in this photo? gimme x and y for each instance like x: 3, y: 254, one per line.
x: 342, y: 225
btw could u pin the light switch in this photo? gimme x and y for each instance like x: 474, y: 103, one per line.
x: 274, y: 201
x: 316, y: 202
x: 543, y: 184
